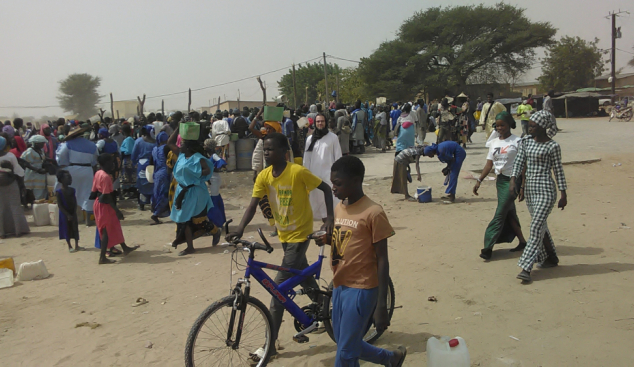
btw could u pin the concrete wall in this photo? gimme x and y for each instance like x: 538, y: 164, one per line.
x: 230, y: 105
x: 620, y: 82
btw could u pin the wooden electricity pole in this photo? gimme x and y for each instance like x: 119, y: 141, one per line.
x: 163, y: 108
x: 326, y: 78
x: 294, y: 89
x: 189, y: 103
x: 111, y: 106
x: 141, y: 103
x: 338, y: 90
x: 306, y: 102
x: 263, y: 87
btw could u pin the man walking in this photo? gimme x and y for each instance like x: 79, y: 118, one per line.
x: 489, y: 111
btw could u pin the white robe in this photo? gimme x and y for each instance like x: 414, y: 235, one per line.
x: 325, y: 152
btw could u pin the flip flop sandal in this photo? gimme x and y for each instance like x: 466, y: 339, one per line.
x: 139, y: 301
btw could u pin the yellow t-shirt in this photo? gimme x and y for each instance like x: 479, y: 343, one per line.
x: 288, y: 198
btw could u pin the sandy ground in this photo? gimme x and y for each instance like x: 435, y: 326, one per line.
x: 579, y: 314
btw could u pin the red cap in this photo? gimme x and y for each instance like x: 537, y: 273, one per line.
x: 454, y: 343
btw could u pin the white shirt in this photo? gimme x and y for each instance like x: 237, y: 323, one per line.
x: 325, y: 152
x: 502, y: 152
x: 220, y: 132
x: 17, y: 169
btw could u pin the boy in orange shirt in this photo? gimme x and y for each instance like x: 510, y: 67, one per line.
x: 360, y: 268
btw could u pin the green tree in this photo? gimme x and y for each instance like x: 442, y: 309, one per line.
x: 570, y: 64
x: 78, y: 94
x: 351, y: 87
x: 308, y: 75
x: 444, y: 47
x: 631, y: 62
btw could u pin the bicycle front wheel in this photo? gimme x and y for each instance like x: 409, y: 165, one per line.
x: 209, y: 344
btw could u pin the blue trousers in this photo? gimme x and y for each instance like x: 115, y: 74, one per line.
x: 453, y: 174
x: 352, y: 311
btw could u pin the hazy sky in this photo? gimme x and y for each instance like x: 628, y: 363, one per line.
x: 160, y: 47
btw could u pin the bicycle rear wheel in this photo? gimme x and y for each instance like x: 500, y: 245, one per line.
x: 207, y: 343
x: 372, y: 334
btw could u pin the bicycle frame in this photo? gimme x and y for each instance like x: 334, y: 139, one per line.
x: 284, y: 292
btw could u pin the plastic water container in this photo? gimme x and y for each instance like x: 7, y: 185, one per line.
x: 32, y: 270
x: 6, y: 278
x: 231, y: 159
x: 244, y: 153
x: 423, y: 194
x: 53, y: 214
x: 447, y: 352
x: 40, y: 214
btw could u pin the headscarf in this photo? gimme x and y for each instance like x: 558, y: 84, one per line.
x: 114, y: 129
x: 506, y: 117
x: 150, y: 129
x: 35, y: 139
x: 49, y: 148
x: 275, y: 125
x: 3, y: 143
x: 161, y: 138
x: 104, y: 132
x: 9, y: 130
x: 545, y: 120
x: 430, y: 148
x: 312, y: 109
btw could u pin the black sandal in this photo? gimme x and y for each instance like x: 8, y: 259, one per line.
x: 186, y: 251
x: 519, y: 247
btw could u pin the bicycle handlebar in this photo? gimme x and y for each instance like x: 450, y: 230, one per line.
x: 251, y: 245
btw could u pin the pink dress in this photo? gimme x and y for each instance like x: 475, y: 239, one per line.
x: 105, y: 216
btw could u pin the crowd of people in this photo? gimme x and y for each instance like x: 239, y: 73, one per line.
x: 304, y: 168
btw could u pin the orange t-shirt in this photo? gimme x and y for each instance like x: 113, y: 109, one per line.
x: 357, y: 228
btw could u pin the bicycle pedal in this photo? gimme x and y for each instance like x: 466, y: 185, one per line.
x: 301, y: 339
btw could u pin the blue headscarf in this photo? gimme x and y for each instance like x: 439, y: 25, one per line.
x: 430, y: 148
x: 161, y: 138
x: 104, y: 132
x: 3, y: 143
x: 150, y: 130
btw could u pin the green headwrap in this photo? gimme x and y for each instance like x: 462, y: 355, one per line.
x: 506, y: 117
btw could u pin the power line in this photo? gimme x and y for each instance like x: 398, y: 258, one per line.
x: 627, y: 52
x: 340, y: 58
x: 186, y: 91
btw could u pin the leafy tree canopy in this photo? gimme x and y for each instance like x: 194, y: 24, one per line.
x: 570, y: 64
x: 78, y: 94
x: 444, y: 47
x: 308, y: 75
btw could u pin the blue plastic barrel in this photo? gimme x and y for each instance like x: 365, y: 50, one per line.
x: 424, y: 194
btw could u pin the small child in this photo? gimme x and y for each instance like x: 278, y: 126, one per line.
x: 67, y: 204
x: 216, y: 214
x: 107, y: 215
x: 360, y: 268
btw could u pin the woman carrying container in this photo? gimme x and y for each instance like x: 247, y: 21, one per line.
x: 191, y: 200
x: 505, y: 225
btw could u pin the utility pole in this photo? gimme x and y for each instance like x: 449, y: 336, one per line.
x: 306, y: 102
x: 338, y: 90
x: 238, y: 99
x: 326, y: 77
x: 294, y: 89
x: 616, y: 33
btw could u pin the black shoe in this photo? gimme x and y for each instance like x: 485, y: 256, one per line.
x: 519, y: 247
x: 486, y: 253
x: 524, y: 275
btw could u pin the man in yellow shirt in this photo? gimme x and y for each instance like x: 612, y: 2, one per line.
x: 287, y: 186
x: 524, y: 111
x: 489, y: 111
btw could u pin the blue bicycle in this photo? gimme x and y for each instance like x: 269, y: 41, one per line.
x: 238, y: 329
